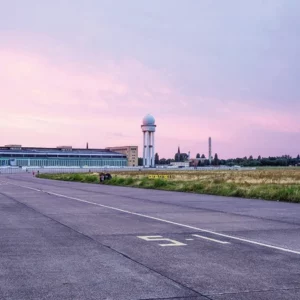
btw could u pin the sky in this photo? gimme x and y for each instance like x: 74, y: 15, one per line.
x: 74, y: 71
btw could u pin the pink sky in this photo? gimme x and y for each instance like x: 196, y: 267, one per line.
x: 44, y: 104
x: 75, y: 84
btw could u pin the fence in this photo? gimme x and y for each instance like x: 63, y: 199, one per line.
x: 15, y: 170
x: 62, y: 170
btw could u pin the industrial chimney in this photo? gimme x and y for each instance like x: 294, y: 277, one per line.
x: 209, y: 150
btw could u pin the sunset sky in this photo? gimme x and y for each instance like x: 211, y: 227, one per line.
x: 79, y: 71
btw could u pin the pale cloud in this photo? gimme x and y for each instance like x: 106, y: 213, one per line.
x: 264, y: 118
x: 61, y: 102
x: 49, y: 104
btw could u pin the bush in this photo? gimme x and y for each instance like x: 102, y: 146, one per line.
x: 159, y: 183
x: 91, y: 178
x: 128, y: 181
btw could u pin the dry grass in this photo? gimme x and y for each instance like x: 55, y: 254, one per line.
x: 273, y: 184
x: 272, y: 176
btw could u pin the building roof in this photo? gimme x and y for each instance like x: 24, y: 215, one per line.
x: 55, y: 151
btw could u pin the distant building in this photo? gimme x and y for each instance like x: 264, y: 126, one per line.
x: 180, y: 157
x: 194, y: 162
x: 182, y: 164
x: 131, y: 153
x: 62, y: 156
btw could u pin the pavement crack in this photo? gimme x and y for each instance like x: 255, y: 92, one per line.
x: 172, y: 298
x: 161, y: 274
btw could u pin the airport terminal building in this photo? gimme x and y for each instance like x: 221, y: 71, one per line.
x: 62, y: 156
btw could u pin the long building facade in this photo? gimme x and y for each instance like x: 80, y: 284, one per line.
x: 63, y: 156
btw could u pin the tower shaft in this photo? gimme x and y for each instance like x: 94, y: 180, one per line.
x: 149, y: 149
x: 209, y: 150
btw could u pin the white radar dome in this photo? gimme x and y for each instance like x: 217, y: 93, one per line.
x: 148, y: 120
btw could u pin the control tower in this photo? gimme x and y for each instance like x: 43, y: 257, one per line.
x: 148, y: 128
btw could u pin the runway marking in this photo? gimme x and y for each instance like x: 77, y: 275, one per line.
x: 189, y: 239
x: 206, y: 238
x: 160, y: 238
x: 170, y: 222
x: 30, y: 188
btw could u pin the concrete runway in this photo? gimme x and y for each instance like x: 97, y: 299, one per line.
x: 65, y: 240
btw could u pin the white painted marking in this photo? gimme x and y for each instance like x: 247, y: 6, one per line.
x: 213, y: 240
x: 27, y: 187
x: 37, y: 190
x: 174, y: 223
x: 189, y: 239
x: 160, y: 238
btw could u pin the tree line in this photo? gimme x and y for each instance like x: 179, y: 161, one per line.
x: 284, y: 160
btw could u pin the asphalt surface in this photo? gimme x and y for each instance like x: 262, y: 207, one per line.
x: 65, y: 240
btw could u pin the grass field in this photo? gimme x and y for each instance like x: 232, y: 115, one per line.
x: 270, y: 184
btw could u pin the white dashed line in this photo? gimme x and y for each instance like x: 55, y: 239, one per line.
x: 206, y: 238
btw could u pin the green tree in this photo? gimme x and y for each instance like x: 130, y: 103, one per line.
x: 140, y: 161
x: 198, y: 155
x: 216, y: 160
x: 156, y: 159
x: 162, y: 161
x: 202, y: 156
